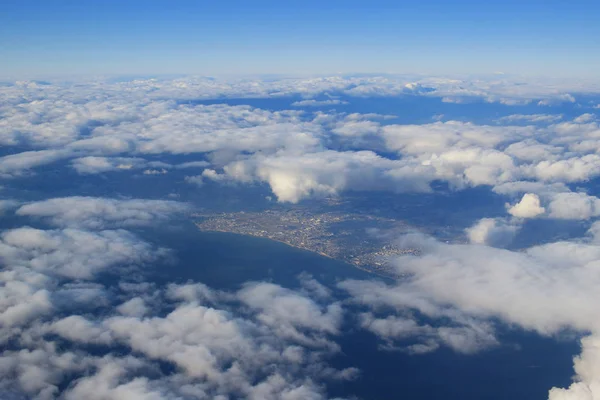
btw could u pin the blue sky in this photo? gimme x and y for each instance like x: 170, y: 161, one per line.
x: 52, y: 37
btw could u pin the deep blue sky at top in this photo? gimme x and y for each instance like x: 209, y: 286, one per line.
x: 62, y: 37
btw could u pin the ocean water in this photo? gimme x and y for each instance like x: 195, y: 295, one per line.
x: 525, y: 366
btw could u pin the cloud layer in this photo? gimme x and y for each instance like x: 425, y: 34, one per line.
x: 79, y: 317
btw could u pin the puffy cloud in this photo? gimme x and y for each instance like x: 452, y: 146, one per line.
x: 531, y: 150
x: 263, y: 341
x: 15, y: 164
x: 24, y: 298
x: 528, y: 207
x: 574, y: 206
x: 96, y: 212
x: 327, y: 173
x: 125, y: 120
x: 472, y: 167
x: 443, y: 136
x: 266, y: 341
x: 72, y: 253
x: 584, y: 118
x: 198, y: 180
x: 205, y: 129
x: 469, y: 338
x: 356, y: 128
x: 217, y: 351
x: 546, y: 288
x: 492, y: 231
x: 291, y: 313
x: 55, y: 116
x: 574, y: 169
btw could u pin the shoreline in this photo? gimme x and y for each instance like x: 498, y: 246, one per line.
x: 299, y: 248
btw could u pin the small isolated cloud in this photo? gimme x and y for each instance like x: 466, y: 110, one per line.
x: 197, y: 180
x: 155, y: 171
x: 528, y: 207
x: 492, y: 232
x: 417, y: 88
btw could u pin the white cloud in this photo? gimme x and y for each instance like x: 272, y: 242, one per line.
x: 442, y: 136
x: 356, y: 128
x: 72, y: 253
x: 528, y: 207
x: 531, y: 150
x: 584, y: 118
x: 574, y: 206
x: 546, y: 288
x: 492, y: 232
x: 15, y: 164
x: 98, y: 213
x: 318, y: 103
x: 246, y: 144
x: 293, y: 178
x: 96, y: 165
x: 469, y: 338
x: 263, y: 340
x: 543, y: 118
x: 290, y: 313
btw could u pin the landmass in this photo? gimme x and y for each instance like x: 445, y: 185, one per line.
x: 365, y: 241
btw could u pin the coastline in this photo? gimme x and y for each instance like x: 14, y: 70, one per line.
x: 300, y: 248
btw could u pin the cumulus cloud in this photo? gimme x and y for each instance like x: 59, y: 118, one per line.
x: 266, y: 341
x: 132, y: 121
x: 528, y: 207
x: 492, y: 231
x: 99, y: 213
x: 470, y: 338
x: 546, y: 288
x: 218, y: 350
x: 262, y: 340
x: 327, y: 173
x: 291, y: 313
x: 72, y: 253
x: 16, y: 164
x: 574, y: 206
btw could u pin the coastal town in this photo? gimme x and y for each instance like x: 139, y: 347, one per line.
x: 364, y: 241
